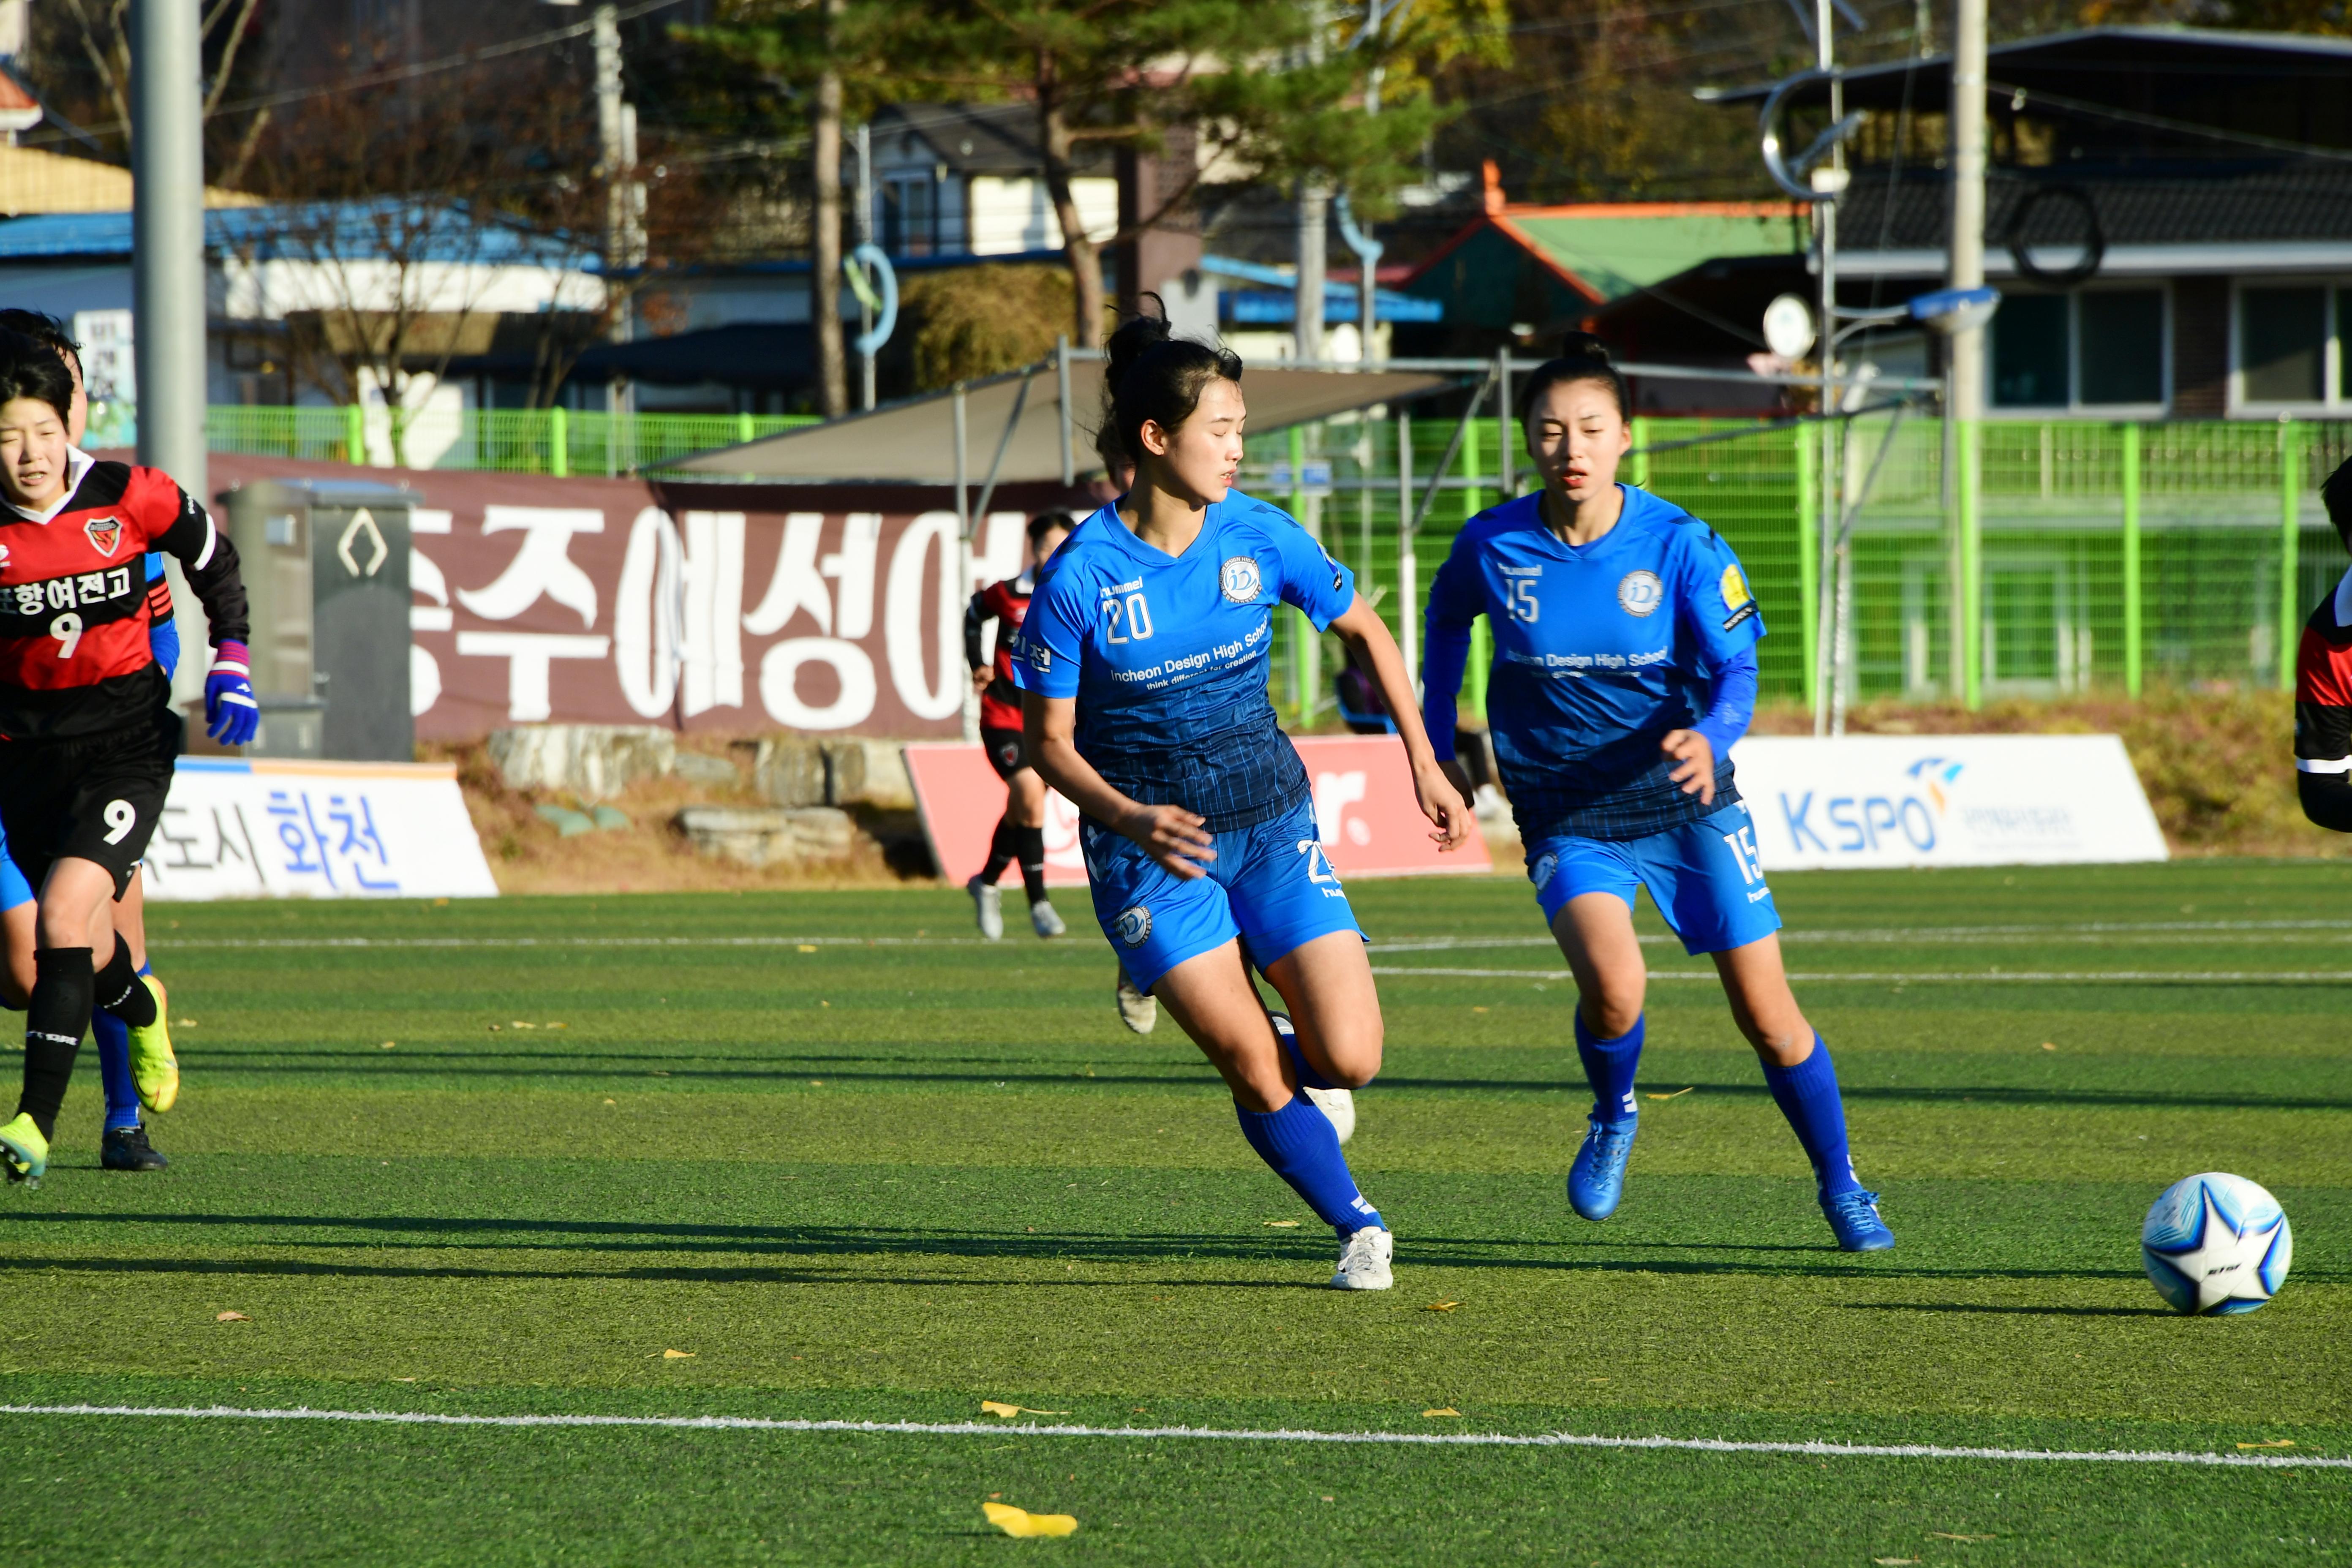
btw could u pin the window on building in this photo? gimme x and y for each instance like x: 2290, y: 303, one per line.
x: 2094, y: 347
x: 910, y: 215
x: 2283, y: 344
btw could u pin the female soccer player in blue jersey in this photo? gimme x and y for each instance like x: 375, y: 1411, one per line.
x: 1143, y: 666
x: 1624, y: 669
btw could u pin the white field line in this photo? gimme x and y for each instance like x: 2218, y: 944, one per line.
x: 1924, y: 977
x: 2089, y: 930
x: 1210, y: 1434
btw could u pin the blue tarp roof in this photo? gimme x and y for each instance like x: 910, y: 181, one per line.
x: 1268, y: 308
x: 350, y: 229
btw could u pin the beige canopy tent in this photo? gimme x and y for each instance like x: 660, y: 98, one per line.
x: 1030, y: 425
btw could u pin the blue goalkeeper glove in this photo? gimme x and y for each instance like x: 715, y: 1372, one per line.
x: 231, y: 714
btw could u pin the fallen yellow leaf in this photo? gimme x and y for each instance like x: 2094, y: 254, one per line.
x: 808, y: 947
x: 1477, y: 1009
x: 519, y: 1023
x: 1893, y: 1561
x: 1948, y: 1535
x: 2275, y: 1443
x: 1677, y: 1095
x: 232, y: 1317
x: 678, y: 1355
x: 1441, y: 1306
x: 1442, y: 1410
x: 388, y: 1045
x: 2049, y: 1045
x: 1020, y: 1521
x: 1282, y: 1223
x: 612, y: 1102
x: 998, y: 1407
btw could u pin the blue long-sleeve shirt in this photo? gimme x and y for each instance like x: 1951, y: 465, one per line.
x: 1600, y: 651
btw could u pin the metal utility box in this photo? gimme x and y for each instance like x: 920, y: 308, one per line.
x: 326, y: 567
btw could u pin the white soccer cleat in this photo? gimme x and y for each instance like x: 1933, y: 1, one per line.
x: 1045, y: 922
x: 1364, y: 1261
x: 987, y: 908
x: 1337, y: 1104
x: 1138, y: 1010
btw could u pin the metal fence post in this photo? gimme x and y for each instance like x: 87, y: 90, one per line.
x: 1809, y: 566
x: 2132, y: 625
x: 355, y: 435
x: 1297, y: 628
x: 559, y: 442
x: 1640, y: 476
x: 1408, y: 568
x: 1971, y: 477
x: 2290, y: 612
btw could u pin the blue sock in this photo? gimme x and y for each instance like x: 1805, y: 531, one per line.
x: 1808, y: 1095
x: 1299, y: 1144
x: 1608, y: 1067
x: 1287, y: 1033
x: 114, y: 1036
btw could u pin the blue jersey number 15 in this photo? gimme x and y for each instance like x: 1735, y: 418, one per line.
x: 1523, y: 600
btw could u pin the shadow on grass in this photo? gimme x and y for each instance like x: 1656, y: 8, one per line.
x: 2009, y: 1310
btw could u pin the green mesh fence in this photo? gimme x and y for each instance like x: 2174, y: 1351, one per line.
x: 2111, y: 557
x: 499, y: 440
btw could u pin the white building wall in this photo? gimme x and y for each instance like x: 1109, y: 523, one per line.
x: 1013, y: 215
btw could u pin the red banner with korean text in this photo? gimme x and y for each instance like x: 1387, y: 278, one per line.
x: 1365, y: 813
x: 730, y: 609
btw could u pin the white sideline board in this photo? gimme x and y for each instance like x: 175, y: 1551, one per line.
x: 1875, y: 801
x: 238, y: 829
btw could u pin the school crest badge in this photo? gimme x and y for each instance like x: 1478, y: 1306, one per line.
x: 105, y: 533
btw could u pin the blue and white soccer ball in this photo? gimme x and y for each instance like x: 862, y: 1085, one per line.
x: 2216, y: 1243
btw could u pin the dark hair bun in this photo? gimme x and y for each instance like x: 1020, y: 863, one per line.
x: 1135, y: 335
x: 1583, y: 345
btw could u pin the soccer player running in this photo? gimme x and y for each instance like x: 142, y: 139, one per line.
x: 87, y: 741
x: 1143, y: 668
x: 1624, y: 669
x: 1020, y: 831
x: 2323, y: 685
x: 123, y: 1143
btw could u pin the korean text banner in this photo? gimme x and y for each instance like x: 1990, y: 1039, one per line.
x: 728, y: 609
x: 236, y: 830
x: 1365, y: 815
x: 1944, y: 800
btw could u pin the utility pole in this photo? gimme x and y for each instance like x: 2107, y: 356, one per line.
x: 1314, y: 217
x: 864, y: 221
x: 824, y: 256
x: 625, y: 195
x: 1830, y: 183
x: 167, y: 163
x: 1965, y: 366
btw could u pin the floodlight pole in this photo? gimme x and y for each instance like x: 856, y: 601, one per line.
x: 168, y: 240
x: 1964, y: 369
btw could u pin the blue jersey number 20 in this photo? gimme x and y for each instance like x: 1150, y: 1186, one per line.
x: 1134, y: 612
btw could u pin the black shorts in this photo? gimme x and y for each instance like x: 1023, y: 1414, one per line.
x: 96, y: 797
x: 1007, y: 752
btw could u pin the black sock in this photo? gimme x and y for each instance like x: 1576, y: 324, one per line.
x: 1001, y: 851
x: 1031, y: 842
x: 55, y: 1015
x: 116, y: 988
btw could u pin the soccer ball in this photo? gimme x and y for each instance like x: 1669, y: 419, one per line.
x: 2216, y: 1243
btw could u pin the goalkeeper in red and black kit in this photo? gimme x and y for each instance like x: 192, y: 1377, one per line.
x: 2323, y: 685
x: 87, y: 736
x: 1020, y: 831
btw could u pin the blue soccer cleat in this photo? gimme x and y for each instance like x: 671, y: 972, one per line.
x: 1853, y: 1216
x: 1597, y: 1180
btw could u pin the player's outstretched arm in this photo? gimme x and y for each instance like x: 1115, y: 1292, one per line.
x: 1171, y: 834
x: 1361, y: 628
x: 209, y: 562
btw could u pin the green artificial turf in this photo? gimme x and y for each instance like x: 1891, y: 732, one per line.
x: 858, y: 1164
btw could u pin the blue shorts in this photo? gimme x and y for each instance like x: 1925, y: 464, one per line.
x: 1270, y: 885
x: 13, y: 889
x: 1703, y: 876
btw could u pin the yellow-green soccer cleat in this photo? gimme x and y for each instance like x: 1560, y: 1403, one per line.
x: 153, y: 1068
x: 23, y: 1150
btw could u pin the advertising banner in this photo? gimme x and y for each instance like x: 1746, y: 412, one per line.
x: 730, y: 609
x: 1365, y: 814
x: 236, y: 830
x: 1944, y: 800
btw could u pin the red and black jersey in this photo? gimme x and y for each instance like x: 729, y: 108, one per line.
x: 1006, y: 603
x: 75, y: 604
x: 2323, y: 687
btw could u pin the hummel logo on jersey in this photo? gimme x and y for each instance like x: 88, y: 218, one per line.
x: 105, y: 532
x: 1239, y: 579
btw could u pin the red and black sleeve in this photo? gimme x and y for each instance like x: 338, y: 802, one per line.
x: 2323, y: 718
x: 182, y: 528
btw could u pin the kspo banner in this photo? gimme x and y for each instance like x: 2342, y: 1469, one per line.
x: 726, y: 608
x: 1365, y: 816
x: 1944, y: 800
